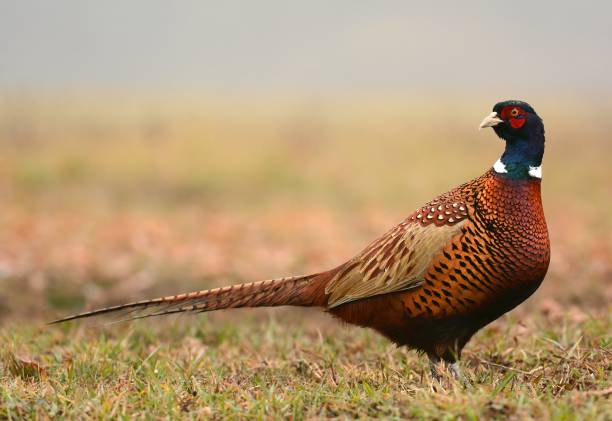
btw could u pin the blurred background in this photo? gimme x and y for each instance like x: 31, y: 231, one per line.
x: 151, y: 148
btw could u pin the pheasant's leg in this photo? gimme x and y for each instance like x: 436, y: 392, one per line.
x: 436, y: 365
x: 456, y: 370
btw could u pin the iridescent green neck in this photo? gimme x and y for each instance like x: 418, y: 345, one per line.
x: 522, y: 158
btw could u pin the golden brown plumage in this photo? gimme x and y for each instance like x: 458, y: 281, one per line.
x: 395, y: 262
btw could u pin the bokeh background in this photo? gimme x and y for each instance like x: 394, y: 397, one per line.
x: 150, y: 148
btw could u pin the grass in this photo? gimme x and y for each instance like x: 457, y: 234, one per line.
x: 198, y: 367
x: 111, y: 199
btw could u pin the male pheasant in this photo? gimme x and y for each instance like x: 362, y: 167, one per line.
x: 451, y: 267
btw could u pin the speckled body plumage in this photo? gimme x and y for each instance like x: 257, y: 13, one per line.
x: 498, y: 259
x: 431, y: 282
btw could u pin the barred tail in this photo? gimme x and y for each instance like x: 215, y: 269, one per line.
x: 296, y: 291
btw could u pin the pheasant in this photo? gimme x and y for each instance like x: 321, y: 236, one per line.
x: 451, y: 267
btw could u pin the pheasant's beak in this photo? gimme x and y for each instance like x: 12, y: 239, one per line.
x: 490, y: 121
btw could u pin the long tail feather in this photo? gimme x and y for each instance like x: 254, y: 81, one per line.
x: 275, y: 292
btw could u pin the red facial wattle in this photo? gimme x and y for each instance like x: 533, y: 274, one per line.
x: 517, y: 123
x: 516, y: 116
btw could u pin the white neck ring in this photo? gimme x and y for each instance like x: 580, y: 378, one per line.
x: 500, y: 168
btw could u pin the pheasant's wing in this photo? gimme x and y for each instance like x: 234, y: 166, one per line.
x: 396, y: 261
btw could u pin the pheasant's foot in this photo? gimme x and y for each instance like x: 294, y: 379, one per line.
x: 439, y: 366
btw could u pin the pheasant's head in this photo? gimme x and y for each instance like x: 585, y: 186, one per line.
x: 517, y: 123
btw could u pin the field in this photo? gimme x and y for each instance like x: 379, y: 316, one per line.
x: 109, y: 198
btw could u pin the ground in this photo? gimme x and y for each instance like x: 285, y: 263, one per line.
x: 108, y: 200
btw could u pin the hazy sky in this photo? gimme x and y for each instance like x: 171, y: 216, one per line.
x: 315, y: 45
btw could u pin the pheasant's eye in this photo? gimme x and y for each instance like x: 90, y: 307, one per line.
x: 515, y: 116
